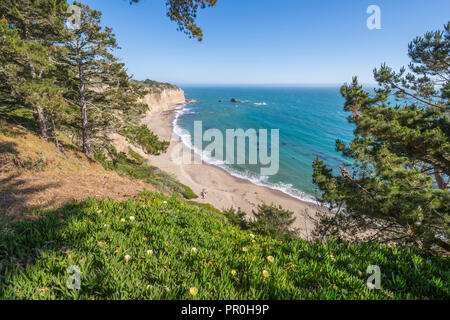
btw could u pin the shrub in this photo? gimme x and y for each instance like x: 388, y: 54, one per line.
x: 188, y: 193
x: 206, y: 206
x: 145, y: 138
x: 268, y: 220
x: 136, y: 156
x: 271, y: 220
x: 237, y: 217
x: 133, y: 166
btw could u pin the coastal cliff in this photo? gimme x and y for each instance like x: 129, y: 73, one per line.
x: 164, y: 99
x: 159, y: 101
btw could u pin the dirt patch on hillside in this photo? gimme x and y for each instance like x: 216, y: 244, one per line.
x: 36, y: 175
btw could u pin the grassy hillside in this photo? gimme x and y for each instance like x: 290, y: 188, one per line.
x: 134, y: 166
x: 35, y: 174
x: 193, y: 248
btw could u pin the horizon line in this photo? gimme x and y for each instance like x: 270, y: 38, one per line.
x: 269, y: 84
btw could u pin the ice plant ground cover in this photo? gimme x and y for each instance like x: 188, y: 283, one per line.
x: 112, y: 253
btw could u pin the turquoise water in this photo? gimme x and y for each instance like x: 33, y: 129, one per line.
x: 309, y: 119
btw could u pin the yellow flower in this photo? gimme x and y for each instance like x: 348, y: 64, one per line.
x: 270, y: 259
x: 43, y: 291
x: 265, y: 274
x: 193, y: 291
x: 244, y: 249
x: 194, y: 250
x: 132, y: 218
x: 290, y: 268
x: 252, y: 235
x: 127, y: 257
x: 123, y: 219
x: 150, y: 252
x: 233, y: 272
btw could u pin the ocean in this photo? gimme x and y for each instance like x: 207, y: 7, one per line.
x: 309, y: 119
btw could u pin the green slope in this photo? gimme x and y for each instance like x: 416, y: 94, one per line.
x: 98, y: 235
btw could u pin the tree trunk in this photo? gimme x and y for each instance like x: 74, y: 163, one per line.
x: 84, y: 116
x: 39, y: 115
x: 86, y: 138
x: 55, y: 136
x: 439, y: 180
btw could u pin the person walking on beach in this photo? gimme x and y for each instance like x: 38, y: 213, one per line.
x: 203, y: 193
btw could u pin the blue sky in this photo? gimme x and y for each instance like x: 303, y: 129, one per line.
x: 269, y: 41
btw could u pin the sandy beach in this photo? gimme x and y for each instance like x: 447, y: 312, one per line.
x: 223, y: 190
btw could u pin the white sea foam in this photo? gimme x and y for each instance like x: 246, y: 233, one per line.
x: 260, y: 103
x: 263, y: 182
x: 246, y: 175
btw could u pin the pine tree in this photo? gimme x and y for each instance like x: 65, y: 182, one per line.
x: 184, y: 13
x: 397, y: 188
x: 29, y: 31
x: 101, y: 88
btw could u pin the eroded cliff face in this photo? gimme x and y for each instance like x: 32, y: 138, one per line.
x: 164, y: 100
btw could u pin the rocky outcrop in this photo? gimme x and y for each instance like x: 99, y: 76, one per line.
x: 164, y: 100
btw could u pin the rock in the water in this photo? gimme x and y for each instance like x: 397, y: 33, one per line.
x: 233, y: 100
